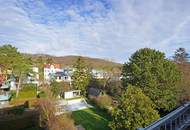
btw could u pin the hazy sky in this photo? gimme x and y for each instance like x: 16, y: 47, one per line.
x: 112, y: 29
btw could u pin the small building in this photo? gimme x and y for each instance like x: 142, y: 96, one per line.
x: 5, y: 94
x: 72, y: 94
x: 33, y: 77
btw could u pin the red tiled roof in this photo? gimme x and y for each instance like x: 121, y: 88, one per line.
x: 56, y: 66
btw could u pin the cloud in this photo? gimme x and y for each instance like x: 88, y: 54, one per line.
x: 111, y: 29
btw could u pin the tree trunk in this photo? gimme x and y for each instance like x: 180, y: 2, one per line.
x: 18, y: 86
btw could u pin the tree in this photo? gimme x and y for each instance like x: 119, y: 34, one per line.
x: 135, y: 110
x: 57, y: 88
x: 21, y: 68
x: 181, y: 59
x: 40, y: 64
x: 49, y: 61
x: 13, y: 60
x: 155, y: 75
x: 81, y: 76
x: 114, y: 88
x: 184, y: 95
x: 48, y: 118
x: 181, y: 56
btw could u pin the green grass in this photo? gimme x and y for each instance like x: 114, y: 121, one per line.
x: 92, y: 119
x: 25, y: 93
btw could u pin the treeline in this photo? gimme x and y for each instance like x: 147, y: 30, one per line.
x: 153, y: 86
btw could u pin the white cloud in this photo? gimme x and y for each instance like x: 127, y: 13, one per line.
x: 112, y: 33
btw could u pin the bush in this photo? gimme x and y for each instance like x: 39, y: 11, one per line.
x: 114, y: 88
x: 28, y: 87
x: 104, y: 101
x: 42, y: 94
x: 59, y: 87
x: 49, y: 120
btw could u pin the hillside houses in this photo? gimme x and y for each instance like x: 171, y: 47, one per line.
x: 50, y: 70
x: 56, y: 72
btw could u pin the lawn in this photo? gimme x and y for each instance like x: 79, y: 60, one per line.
x: 92, y: 119
x: 28, y: 94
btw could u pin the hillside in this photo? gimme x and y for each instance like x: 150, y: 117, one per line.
x: 68, y: 61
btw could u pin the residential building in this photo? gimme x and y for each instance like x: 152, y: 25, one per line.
x: 99, y: 74
x: 50, y: 70
x: 5, y: 94
x: 33, y: 77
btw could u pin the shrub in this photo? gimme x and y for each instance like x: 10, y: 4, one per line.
x: 49, y: 120
x: 28, y: 87
x: 103, y: 101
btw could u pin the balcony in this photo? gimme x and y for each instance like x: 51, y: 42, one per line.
x: 5, y: 96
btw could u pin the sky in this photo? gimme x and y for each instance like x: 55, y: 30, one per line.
x: 109, y: 29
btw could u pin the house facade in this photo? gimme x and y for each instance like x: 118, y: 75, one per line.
x: 99, y: 74
x: 33, y: 77
x: 5, y: 94
x: 50, y: 70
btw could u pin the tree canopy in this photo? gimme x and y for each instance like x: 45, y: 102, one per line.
x: 81, y: 76
x: 181, y: 59
x: 135, y: 110
x: 153, y: 73
x: 181, y: 55
x: 13, y: 60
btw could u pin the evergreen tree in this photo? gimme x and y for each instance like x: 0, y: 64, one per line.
x: 81, y: 76
x: 135, y: 110
x: 155, y: 75
x: 16, y: 62
x: 181, y: 56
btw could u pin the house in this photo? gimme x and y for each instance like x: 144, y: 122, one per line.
x: 5, y: 94
x: 33, y: 77
x: 50, y: 70
x: 72, y: 94
x: 62, y: 76
x: 99, y: 74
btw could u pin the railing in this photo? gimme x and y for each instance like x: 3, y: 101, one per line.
x: 179, y: 119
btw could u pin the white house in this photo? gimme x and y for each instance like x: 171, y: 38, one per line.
x: 99, y: 74
x: 50, y: 70
x: 33, y: 77
x: 72, y: 94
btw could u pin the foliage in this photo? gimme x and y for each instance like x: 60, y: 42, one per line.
x: 49, y: 120
x: 135, y: 110
x: 184, y: 69
x: 181, y: 55
x: 181, y: 58
x: 40, y: 64
x: 81, y: 76
x: 92, y: 119
x: 13, y: 60
x: 114, y: 88
x: 102, y: 101
x: 58, y: 88
x: 95, y: 83
x: 49, y: 61
x: 153, y: 73
x: 63, y: 122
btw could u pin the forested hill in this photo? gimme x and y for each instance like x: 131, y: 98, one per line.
x: 68, y: 61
